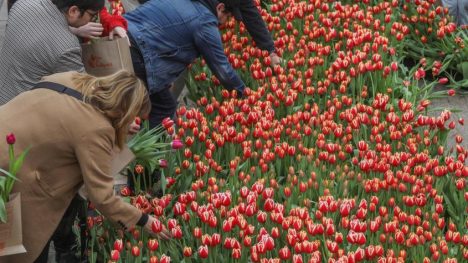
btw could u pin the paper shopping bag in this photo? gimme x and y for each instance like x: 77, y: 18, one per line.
x: 120, y: 161
x: 11, y: 235
x: 102, y: 57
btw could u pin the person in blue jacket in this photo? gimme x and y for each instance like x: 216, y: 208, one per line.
x: 248, y: 13
x: 167, y: 35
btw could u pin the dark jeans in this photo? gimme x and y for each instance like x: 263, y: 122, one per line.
x: 163, y: 103
x: 63, y: 237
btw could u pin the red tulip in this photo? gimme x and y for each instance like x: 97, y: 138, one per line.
x: 156, y: 226
x: 215, y: 239
x: 137, y: 120
x: 284, y: 253
x: 115, y: 255
x: 162, y: 163
x: 176, y: 232
x: 153, y: 244
x: 139, y: 169
x: 297, y: 258
x: 203, y: 251
x: 443, y: 81
x: 332, y: 246
x: 167, y: 123
x: 135, y: 251
x: 269, y: 205
x: 236, y: 253
x: 125, y: 191
x: 261, y: 217
x: 11, y: 139
x: 460, y: 184
x: 165, y: 259
x: 359, y: 254
x: 275, y: 232
x: 247, y: 241
x: 187, y: 251
x: 118, y: 245
x: 197, y: 233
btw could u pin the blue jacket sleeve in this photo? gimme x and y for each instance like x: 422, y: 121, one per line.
x: 254, y: 23
x: 209, y: 44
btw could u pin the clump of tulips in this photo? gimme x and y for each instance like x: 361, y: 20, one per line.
x: 432, y: 33
x: 330, y: 156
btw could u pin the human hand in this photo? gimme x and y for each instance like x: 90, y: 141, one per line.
x: 135, y: 126
x: 90, y: 30
x: 120, y: 32
x: 156, y: 228
x: 275, y: 59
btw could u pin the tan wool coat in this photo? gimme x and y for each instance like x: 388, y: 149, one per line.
x: 71, y: 144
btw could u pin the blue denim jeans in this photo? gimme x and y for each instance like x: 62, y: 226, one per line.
x: 163, y: 104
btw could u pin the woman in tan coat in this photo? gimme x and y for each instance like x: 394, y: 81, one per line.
x: 71, y: 141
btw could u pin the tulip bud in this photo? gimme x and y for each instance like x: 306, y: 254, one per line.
x: 135, y: 251
x: 284, y: 253
x: 177, y: 144
x: 203, y: 251
x: 118, y: 245
x: 167, y: 123
x: 297, y: 258
x: 137, y: 120
x: 10, y: 138
x: 139, y: 169
x: 443, y: 81
x: 187, y: 252
x: 115, y: 255
x: 125, y: 191
x: 165, y: 259
x: 156, y: 226
x: 153, y: 244
x: 162, y: 163
x: 236, y: 253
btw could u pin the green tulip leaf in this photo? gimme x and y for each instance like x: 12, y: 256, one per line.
x: 3, y: 213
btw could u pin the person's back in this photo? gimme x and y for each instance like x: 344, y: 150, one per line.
x: 37, y: 43
x: 170, y: 34
x: 70, y: 141
x: 167, y: 35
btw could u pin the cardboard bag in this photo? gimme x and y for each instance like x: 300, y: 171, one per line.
x: 102, y: 57
x: 120, y: 162
x: 11, y: 235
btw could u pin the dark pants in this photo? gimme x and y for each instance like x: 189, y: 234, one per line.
x: 163, y: 104
x: 10, y: 4
x: 63, y: 237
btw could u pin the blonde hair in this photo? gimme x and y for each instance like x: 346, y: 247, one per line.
x: 120, y: 97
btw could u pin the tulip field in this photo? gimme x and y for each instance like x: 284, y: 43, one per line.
x: 333, y: 156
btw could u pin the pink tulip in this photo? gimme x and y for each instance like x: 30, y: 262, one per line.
x: 11, y: 139
x: 177, y: 144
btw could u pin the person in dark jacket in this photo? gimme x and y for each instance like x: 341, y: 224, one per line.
x: 248, y: 13
x: 163, y: 45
